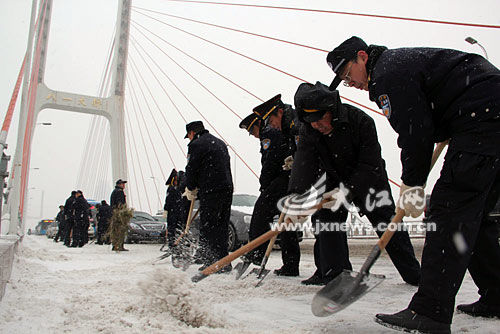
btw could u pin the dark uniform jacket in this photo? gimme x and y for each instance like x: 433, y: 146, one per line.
x: 60, y: 219
x: 208, y: 166
x: 117, y: 197
x: 104, y: 214
x: 351, y: 154
x: 68, y: 209
x: 430, y: 95
x: 290, y: 128
x: 274, y: 150
x: 173, y: 205
x: 81, y: 210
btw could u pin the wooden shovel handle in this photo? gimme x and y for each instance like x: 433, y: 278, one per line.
x: 400, y: 213
x: 242, y: 250
x: 188, y: 222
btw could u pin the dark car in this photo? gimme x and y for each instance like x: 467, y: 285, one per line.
x: 239, y: 223
x: 143, y: 227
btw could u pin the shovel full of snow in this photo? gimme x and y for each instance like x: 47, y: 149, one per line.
x: 349, y: 286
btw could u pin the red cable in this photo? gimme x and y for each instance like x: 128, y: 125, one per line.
x: 142, y: 138
x: 137, y: 157
x: 196, y: 60
x: 206, y: 120
x: 344, y: 13
x: 192, y: 77
x: 134, y: 73
x: 231, y: 29
x: 151, y: 112
x: 227, y: 49
x: 164, y: 90
x: 128, y: 136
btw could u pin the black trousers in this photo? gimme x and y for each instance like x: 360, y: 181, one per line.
x: 67, y: 232
x: 331, y: 252
x: 215, y: 213
x: 264, y: 211
x: 102, y: 229
x: 465, y: 237
x: 400, y: 248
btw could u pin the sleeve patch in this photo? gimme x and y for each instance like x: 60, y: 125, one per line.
x: 265, y: 144
x: 385, y: 105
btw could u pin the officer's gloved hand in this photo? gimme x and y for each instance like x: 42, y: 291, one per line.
x: 288, y: 163
x: 335, y: 199
x: 191, y: 194
x: 412, y: 200
x: 294, y: 219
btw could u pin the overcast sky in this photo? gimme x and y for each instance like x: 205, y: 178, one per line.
x: 80, y: 36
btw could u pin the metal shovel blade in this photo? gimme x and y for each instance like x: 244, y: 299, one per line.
x: 261, y: 276
x: 240, y: 268
x: 341, y: 292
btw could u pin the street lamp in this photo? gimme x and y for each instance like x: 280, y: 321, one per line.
x: 473, y: 41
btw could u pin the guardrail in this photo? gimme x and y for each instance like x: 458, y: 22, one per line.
x: 8, y: 246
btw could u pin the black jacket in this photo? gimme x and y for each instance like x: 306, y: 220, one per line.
x: 60, y: 218
x: 117, y: 197
x: 81, y: 209
x: 351, y: 154
x: 208, y: 166
x: 430, y: 95
x: 290, y: 128
x: 104, y: 214
x: 68, y: 209
x: 274, y: 150
x: 173, y: 205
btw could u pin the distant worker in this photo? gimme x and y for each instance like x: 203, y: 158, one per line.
x: 104, y: 213
x: 69, y: 218
x: 61, y: 224
x: 119, y: 221
x: 208, y: 177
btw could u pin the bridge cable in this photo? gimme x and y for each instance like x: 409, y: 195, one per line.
x: 476, y: 25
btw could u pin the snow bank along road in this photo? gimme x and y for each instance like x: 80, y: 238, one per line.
x: 54, y: 289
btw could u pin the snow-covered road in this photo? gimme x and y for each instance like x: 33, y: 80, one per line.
x: 54, y: 289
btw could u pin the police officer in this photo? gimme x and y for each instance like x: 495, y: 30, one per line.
x: 430, y: 95
x: 173, y: 208
x: 208, y: 177
x: 61, y: 223
x: 81, y: 214
x: 273, y: 180
x: 117, y: 199
x: 343, y: 141
x: 104, y: 213
x: 281, y: 116
x: 69, y: 217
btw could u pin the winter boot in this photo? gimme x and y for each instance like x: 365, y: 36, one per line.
x: 284, y: 271
x: 479, y: 309
x: 409, y: 321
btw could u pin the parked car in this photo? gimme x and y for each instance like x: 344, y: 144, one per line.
x: 92, y: 217
x: 239, y: 223
x: 52, y: 230
x: 41, y: 228
x: 143, y: 227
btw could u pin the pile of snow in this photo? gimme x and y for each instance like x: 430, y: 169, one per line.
x: 172, y: 292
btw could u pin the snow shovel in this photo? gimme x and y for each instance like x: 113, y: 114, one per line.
x: 213, y: 268
x: 348, y: 287
x: 262, y: 272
